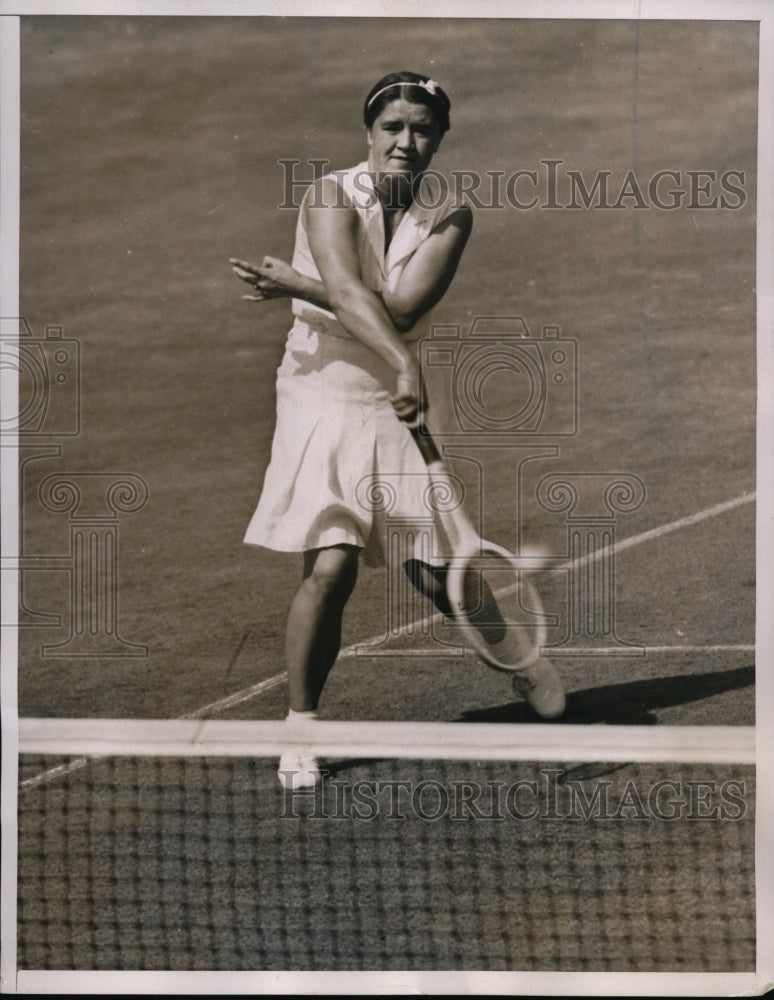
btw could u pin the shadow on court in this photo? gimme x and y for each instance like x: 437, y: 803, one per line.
x: 334, y: 768
x: 632, y: 703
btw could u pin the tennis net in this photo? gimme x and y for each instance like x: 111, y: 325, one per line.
x: 185, y: 854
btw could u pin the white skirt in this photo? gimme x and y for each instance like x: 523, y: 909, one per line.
x: 342, y: 465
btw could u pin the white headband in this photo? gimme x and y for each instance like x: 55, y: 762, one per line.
x: 430, y: 86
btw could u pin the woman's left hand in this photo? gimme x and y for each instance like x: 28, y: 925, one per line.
x: 274, y: 279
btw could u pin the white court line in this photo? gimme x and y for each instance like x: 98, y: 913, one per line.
x: 738, y: 648
x: 684, y: 522
x: 629, y: 651
x: 240, y: 697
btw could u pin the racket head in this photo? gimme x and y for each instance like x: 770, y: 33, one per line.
x: 497, y: 608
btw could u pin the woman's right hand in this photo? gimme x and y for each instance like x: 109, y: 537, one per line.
x: 410, y: 398
x: 274, y: 279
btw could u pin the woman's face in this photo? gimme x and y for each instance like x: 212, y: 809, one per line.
x: 403, y: 139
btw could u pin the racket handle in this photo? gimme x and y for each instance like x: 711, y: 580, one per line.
x: 424, y: 441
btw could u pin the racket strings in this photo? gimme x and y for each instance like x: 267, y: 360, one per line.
x: 496, y: 605
x: 497, y: 610
x: 481, y: 607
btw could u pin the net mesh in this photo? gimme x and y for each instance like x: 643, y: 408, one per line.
x: 150, y: 863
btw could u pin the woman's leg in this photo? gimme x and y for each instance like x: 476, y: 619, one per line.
x: 314, y: 622
x: 430, y: 581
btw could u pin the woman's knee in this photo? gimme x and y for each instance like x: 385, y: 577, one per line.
x: 332, y: 573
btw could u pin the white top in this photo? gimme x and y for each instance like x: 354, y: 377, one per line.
x: 339, y: 450
x: 434, y: 201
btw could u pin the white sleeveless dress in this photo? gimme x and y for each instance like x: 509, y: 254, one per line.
x: 341, y: 461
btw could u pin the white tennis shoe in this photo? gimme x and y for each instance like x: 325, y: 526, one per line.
x: 542, y: 687
x: 298, y: 769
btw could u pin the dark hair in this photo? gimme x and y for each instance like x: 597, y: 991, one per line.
x: 389, y: 89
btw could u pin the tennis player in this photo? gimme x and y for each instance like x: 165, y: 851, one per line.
x: 377, y: 246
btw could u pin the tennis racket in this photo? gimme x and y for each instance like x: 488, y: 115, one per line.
x: 492, y: 599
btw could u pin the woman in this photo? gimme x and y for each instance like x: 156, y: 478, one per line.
x: 376, y: 247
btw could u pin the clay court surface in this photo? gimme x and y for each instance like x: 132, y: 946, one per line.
x: 151, y: 154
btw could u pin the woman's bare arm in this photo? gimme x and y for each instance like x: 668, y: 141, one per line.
x: 429, y: 273
x: 423, y: 283
x: 332, y: 232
